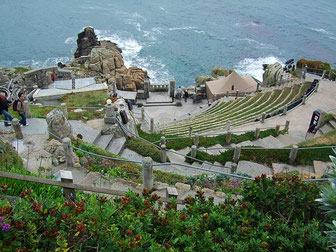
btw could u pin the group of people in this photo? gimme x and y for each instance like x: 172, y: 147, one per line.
x: 20, y: 108
x: 185, y: 94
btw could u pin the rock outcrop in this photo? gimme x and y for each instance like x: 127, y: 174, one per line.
x: 217, y: 71
x: 272, y: 74
x: 85, y: 42
x: 201, y: 79
x: 58, y: 125
x: 103, y: 59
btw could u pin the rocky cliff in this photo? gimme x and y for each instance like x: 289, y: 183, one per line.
x: 103, y: 59
x: 272, y: 74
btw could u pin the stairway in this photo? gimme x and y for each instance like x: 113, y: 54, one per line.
x: 111, y: 143
x: 331, y: 125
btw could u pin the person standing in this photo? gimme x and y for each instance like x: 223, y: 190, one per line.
x: 178, y: 96
x: 4, y: 109
x: 186, y: 95
x: 21, y: 110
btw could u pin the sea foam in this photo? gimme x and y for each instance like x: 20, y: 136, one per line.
x: 254, y: 67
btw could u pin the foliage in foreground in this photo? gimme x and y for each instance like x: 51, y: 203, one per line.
x: 260, y: 221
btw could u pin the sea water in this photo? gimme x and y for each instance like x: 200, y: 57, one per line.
x: 176, y: 39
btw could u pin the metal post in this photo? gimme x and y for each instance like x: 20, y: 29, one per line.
x: 142, y: 114
x: 317, y: 86
x: 163, y: 153
x: 257, y: 132
x: 172, y: 88
x: 190, y: 130
x: 147, y: 171
x: 287, y: 126
x: 293, y: 153
x: 234, y: 168
x: 196, y: 140
x: 321, y: 119
x: 27, y: 109
x: 64, y: 110
x: 236, y: 154
x: 193, y: 151
x: 163, y: 140
x: 69, y: 193
x: 277, y: 129
x: 304, y: 99
x: 324, y: 73
x: 17, y: 128
x: 263, y: 116
x: 68, y: 153
x: 152, y: 125
x: 228, y: 137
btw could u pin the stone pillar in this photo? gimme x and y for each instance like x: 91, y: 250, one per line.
x: 227, y: 93
x: 163, y: 153
x: 190, y: 130
x: 304, y: 98
x: 317, y: 86
x: 237, y: 92
x: 172, y: 88
x: 73, y: 82
x: 109, y: 113
x: 287, y: 126
x: 146, y: 88
x: 263, y: 116
x: 163, y: 140
x: 147, y: 172
x: 64, y: 110
x: 69, y: 160
x: 196, y: 140
x: 293, y: 153
x: 330, y: 75
x: 324, y: 73
x: 228, y: 125
x: 284, y: 112
x: 66, y: 177
x: 142, y: 114
x: 258, y: 86
x: 27, y: 109
x: 236, y: 154
x: 114, y: 87
x: 277, y: 129
x: 228, y: 137
x: 234, y: 168
x: 152, y: 125
x: 17, y: 128
x: 193, y: 151
x: 257, y: 133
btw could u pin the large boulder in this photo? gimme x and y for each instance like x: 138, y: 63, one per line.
x: 103, y: 60
x: 272, y: 74
x: 85, y: 42
x: 58, y: 126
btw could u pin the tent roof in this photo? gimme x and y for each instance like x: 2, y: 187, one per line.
x: 241, y: 83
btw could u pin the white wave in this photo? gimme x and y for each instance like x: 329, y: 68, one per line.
x: 254, y: 67
x: 163, y: 9
x: 251, y: 24
x: 137, y: 15
x: 333, y: 38
x: 48, y: 62
x: 198, y: 31
x: 70, y: 40
x: 182, y: 28
x: 259, y: 45
x: 320, y: 30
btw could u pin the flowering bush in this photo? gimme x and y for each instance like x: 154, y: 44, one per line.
x: 145, y: 223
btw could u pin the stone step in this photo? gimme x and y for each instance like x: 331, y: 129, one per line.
x: 333, y: 123
x: 89, y: 134
x: 270, y: 142
x: 318, y: 168
x: 318, y: 133
x: 247, y: 143
x: 117, y: 145
x: 288, y: 139
x: 326, y: 128
x: 159, y: 104
x: 103, y: 141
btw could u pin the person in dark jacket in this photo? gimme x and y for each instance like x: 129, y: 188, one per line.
x: 21, y: 110
x: 186, y: 95
x: 4, y: 109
